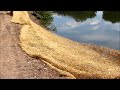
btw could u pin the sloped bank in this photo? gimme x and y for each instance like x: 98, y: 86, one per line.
x: 70, y: 58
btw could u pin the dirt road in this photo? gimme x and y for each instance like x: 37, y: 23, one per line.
x: 16, y: 64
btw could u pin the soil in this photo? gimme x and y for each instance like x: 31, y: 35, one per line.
x: 16, y: 64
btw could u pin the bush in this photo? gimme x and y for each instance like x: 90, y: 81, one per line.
x: 44, y: 16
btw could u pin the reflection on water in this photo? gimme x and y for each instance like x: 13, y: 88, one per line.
x: 77, y: 15
x: 100, y: 28
x: 112, y: 16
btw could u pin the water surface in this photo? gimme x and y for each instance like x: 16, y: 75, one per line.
x: 93, y: 27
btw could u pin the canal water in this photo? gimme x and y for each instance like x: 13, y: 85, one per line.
x: 93, y: 27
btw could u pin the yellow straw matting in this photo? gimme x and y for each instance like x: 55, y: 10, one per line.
x: 68, y: 57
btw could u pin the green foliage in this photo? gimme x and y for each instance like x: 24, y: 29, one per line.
x: 112, y: 16
x: 46, y: 19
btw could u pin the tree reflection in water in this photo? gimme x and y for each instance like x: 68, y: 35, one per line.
x: 78, y: 15
x: 46, y: 17
x: 112, y: 16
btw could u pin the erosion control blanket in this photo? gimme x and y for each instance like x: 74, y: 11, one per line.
x: 70, y: 58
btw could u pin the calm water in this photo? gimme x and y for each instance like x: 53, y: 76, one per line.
x: 100, y: 28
